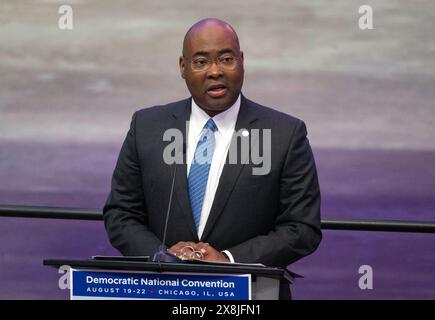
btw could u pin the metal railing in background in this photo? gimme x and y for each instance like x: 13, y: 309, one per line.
x: 327, y: 224
x: 50, y: 213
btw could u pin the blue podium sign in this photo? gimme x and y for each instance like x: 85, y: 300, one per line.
x: 92, y: 284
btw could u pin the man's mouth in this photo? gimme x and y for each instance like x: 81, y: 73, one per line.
x: 217, y: 90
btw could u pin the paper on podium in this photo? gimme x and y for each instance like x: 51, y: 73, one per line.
x: 238, y: 264
x: 123, y: 258
x: 289, y: 275
x: 147, y: 259
x: 193, y: 261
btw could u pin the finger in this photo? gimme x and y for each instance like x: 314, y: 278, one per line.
x: 181, y: 244
x: 203, y: 244
x: 199, y: 246
x: 176, y: 248
x: 204, y: 247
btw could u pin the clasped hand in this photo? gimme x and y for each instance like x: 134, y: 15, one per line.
x: 197, y: 251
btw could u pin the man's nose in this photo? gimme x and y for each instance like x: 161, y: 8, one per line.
x: 214, y: 71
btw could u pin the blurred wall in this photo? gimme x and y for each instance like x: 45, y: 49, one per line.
x: 67, y: 96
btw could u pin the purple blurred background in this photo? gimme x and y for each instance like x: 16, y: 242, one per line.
x: 66, y: 100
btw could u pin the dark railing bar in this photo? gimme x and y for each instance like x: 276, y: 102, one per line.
x: 327, y: 224
x: 50, y: 212
x: 379, y: 225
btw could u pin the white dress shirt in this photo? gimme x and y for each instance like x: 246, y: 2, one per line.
x: 225, y: 123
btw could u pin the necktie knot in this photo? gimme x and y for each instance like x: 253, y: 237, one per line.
x: 210, y: 125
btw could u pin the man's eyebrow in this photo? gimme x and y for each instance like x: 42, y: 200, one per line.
x: 201, y: 53
x: 226, y: 50
x: 206, y: 53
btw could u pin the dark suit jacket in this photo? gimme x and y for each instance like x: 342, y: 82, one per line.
x: 272, y: 219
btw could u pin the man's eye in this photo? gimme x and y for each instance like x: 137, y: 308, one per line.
x: 227, y: 59
x: 201, y: 62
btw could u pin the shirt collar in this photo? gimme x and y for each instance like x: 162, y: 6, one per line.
x: 225, y: 121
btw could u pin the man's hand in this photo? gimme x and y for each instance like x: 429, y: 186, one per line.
x: 210, y: 253
x: 183, y: 248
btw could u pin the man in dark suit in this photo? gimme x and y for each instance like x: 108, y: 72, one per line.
x: 219, y: 208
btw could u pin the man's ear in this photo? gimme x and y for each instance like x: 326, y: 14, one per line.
x: 182, y: 67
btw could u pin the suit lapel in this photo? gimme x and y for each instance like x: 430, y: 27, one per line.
x: 181, y: 116
x: 231, y: 172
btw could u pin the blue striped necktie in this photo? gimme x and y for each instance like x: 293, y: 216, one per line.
x: 200, y: 168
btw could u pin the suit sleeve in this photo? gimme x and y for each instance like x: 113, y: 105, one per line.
x: 124, y: 213
x: 297, y: 230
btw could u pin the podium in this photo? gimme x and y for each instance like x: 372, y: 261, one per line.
x: 124, y: 278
